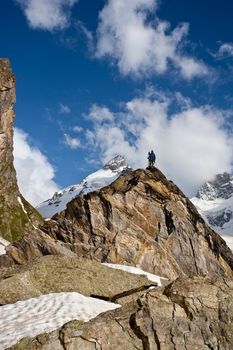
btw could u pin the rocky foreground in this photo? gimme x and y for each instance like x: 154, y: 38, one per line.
x: 142, y: 219
x: 190, y: 314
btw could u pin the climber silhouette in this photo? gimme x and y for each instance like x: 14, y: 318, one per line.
x: 151, y: 158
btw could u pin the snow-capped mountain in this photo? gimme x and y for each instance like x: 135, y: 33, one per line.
x: 214, y: 201
x: 92, y: 182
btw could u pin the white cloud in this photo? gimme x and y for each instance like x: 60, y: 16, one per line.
x: 63, y: 109
x: 225, y: 51
x: 100, y: 114
x: 47, y: 14
x: 191, y: 146
x: 77, y: 129
x: 35, y: 174
x: 71, y: 142
x: 140, y: 45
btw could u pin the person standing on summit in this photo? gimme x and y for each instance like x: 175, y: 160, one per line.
x: 151, y: 158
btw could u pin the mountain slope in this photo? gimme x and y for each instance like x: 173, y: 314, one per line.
x: 16, y: 214
x: 214, y: 201
x: 93, y: 182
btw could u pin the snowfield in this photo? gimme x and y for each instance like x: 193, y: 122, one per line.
x: 46, y: 313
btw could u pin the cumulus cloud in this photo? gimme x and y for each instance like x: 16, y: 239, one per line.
x: 141, y: 45
x: 71, y: 142
x: 47, y: 14
x: 35, y: 174
x: 100, y: 114
x: 191, y: 146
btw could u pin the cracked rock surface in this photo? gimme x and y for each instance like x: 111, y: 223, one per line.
x: 187, y: 314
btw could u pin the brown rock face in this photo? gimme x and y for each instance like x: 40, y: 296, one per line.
x: 188, y: 314
x: 142, y: 219
x: 13, y: 219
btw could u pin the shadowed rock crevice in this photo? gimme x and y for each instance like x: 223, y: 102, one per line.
x: 127, y: 293
x: 107, y: 210
x: 88, y: 213
x: 138, y: 332
x: 169, y: 221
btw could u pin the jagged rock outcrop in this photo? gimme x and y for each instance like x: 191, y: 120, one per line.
x: 188, y: 314
x: 31, y: 246
x: 16, y: 214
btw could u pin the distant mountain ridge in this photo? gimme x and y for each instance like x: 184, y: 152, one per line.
x: 214, y: 201
x: 92, y: 182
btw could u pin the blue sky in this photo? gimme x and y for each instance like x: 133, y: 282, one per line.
x: 97, y: 78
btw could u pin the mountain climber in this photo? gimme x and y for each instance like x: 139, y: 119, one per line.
x: 151, y: 158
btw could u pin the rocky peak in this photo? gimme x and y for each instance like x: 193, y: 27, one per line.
x: 15, y: 213
x: 116, y: 164
x: 142, y: 219
x: 220, y: 187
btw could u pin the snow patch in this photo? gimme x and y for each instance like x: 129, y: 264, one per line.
x: 21, y: 203
x: 46, y: 313
x: 137, y: 271
x: 3, y: 244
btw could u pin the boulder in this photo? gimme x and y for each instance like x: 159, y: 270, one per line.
x: 57, y: 274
